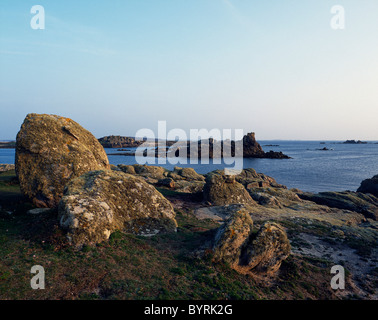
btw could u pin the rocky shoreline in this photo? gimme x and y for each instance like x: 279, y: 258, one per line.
x: 259, y: 223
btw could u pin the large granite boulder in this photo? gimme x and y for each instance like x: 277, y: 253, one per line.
x: 51, y: 150
x: 221, y: 189
x: 265, y: 252
x: 369, y: 186
x: 231, y: 237
x: 247, y: 252
x: 100, y: 202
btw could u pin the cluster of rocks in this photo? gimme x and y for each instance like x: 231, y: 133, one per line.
x: 185, y: 180
x: 60, y: 164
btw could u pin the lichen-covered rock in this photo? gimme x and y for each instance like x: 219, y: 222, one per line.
x: 266, y: 199
x: 100, y: 202
x: 274, y: 197
x: 265, y: 252
x: 221, y: 189
x: 126, y: 168
x: 366, y: 204
x: 153, y: 172
x: 249, y: 178
x: 183, y: 180
x: 51, y: 150
x: 369, y: 186
x: 185, y: 174
x: 231, y: 237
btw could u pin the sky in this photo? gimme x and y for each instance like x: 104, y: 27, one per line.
x: 274, y: 67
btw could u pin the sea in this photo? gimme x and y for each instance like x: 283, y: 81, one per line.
x: 341, y: 167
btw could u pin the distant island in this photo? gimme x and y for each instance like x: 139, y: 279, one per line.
x: 354, y: 142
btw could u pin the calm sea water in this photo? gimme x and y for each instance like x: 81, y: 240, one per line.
x: 342, y: 168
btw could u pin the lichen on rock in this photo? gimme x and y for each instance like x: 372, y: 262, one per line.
x: 265, y: 252
x: 98, y: 203
x: 51, y: 150
x: 231, y: 237
x: 221, y: 189
x: 248, y: 252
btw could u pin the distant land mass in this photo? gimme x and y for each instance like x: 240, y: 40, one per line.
x: 354, y: 142
x: 7, y: 144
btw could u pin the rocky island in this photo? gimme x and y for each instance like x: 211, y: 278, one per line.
x: 251, y: 148
x: 354, y: 142
x: 137, y: 232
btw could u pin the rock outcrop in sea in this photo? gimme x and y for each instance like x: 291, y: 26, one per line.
x: 119, y: 142
x: 369, y: 186
x: 50, y: 151
x: 206, y: 148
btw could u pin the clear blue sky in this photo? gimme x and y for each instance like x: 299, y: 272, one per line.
x: 274, y: 67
